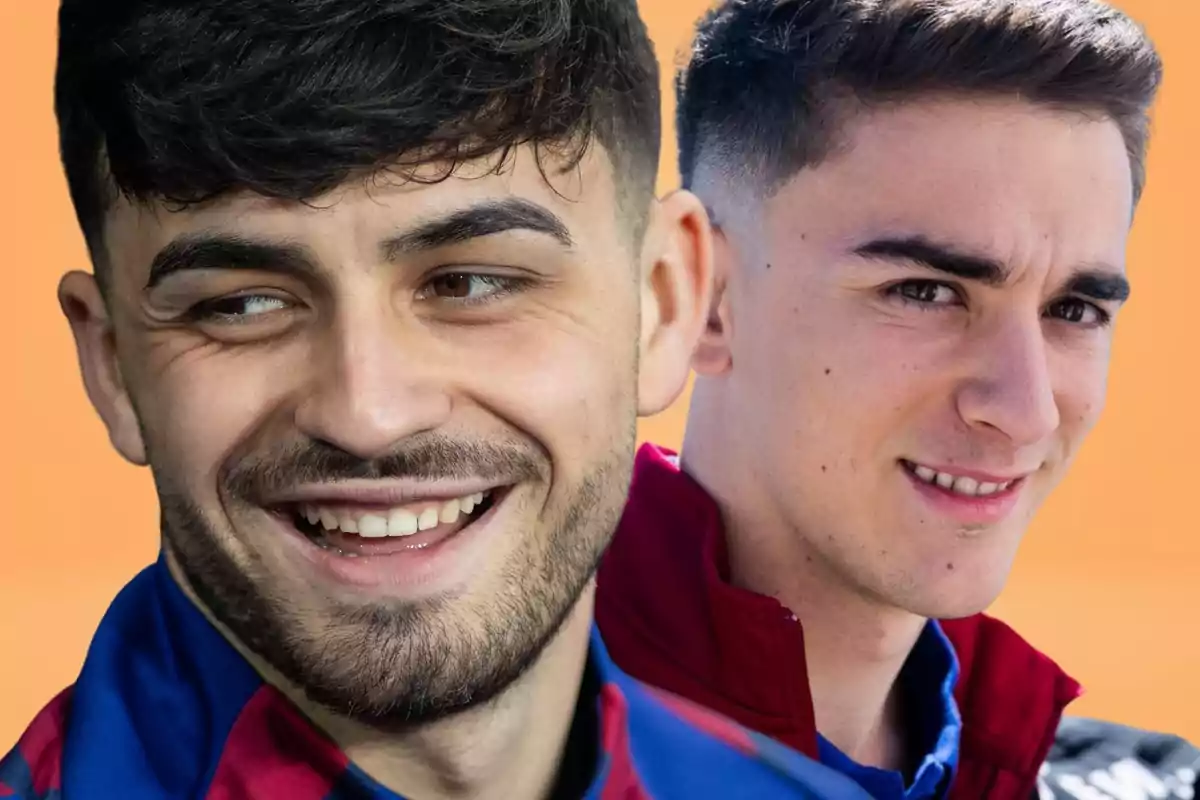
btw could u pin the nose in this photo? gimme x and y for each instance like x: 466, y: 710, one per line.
x: 372, y: 386
x: 1011, y: 387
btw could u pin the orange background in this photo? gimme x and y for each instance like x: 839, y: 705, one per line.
x: 1104, y: 583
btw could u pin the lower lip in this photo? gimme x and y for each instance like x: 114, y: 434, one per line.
x: 432, y: 567
x: 968, y: 510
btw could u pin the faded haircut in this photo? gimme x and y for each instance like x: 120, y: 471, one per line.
x: 769, y: 80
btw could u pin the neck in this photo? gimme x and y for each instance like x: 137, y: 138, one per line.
x: 854, y: 654
x: 855, y: 646
x: 511, y: 746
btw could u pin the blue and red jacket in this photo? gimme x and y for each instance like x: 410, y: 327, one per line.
x: 671, y: 618
x: 165, y: 708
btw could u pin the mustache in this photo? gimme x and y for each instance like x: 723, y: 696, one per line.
x: 426, y: 457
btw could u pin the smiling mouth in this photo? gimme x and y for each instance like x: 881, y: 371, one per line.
x: 961, y: 485
x: 353, y: 531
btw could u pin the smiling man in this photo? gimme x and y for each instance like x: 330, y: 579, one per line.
x: 380, y: 290
x: 922, y: 211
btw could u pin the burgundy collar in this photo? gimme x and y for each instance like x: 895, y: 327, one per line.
x: 670, y: 617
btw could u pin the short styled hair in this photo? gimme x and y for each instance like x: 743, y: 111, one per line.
x: 767, y: 80
x: 187, y: 100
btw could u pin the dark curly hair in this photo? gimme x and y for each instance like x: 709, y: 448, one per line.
x: 186, y: 100
x: 760, y: 95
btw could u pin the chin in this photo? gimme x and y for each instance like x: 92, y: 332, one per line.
x: 957, y: 608
x: 954, y: 596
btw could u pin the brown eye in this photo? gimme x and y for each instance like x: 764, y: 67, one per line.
x: 468, y: 288
x: 925, y: 293
x: 1077, y: 312
x: 454, y: 286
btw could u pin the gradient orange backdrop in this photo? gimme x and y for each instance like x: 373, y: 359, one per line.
x: 1105, y: 582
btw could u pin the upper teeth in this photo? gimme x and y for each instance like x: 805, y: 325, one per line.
x: 398, y: 521
x: 959, y: 484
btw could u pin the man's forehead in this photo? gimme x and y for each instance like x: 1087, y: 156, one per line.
x: 583, y: 197
x: 959, y: 118
x: 899, y: 174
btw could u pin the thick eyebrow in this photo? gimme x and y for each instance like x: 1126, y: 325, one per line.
x: 937, y: 257
x: 1099, y: 284
x: 197, y: 251
x: 483, y: 219
x: 227, y: 251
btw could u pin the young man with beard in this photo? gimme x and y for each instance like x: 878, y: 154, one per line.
x: 380, y: 289
x: 921, y: 212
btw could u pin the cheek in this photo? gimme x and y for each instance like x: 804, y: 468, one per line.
x: 1081, y: 390
x: 824, y: 367
x: 204, y: 406
x: 568, y: 384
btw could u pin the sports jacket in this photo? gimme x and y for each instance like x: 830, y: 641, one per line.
x: 671, y: 618
x: 166, y: 708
